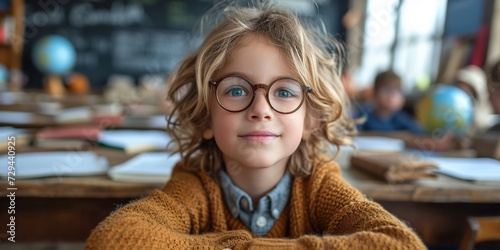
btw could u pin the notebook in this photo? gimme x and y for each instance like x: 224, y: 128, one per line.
x: 149, y: 167
x: 478, y: 170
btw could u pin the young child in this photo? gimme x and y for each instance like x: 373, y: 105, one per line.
x: 387, y: 114
x: 253, y: 110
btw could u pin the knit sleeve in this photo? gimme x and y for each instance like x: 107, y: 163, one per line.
x: 358, y: 223
x: 169, y: 219
x: 342, y: 218
x: 363, y: 225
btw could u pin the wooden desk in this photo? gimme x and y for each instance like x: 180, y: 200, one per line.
x: 66, y: 209
x: 436, y: 208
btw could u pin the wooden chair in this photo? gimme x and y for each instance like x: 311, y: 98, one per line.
x: 480, y: 229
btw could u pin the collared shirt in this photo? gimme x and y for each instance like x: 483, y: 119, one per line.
x: 258, y: 219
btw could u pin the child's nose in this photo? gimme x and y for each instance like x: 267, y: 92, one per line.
x: 260, y: 108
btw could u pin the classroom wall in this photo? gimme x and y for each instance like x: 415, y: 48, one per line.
x: 135, y: 37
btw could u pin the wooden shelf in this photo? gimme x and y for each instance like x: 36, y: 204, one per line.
x: 6, y: 12
x: 11, y: 53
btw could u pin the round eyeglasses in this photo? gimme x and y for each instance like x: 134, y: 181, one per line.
x: 236, y: 94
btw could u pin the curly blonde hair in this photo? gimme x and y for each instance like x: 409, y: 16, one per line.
x: 314, y: 56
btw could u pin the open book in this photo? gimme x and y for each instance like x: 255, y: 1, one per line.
x: 478, y: 170
x: 149, y: 167
x: 54, y: 164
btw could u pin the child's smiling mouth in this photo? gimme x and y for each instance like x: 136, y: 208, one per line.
x: 259, y: 136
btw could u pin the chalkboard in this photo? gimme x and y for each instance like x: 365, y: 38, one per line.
x: 132, y: 37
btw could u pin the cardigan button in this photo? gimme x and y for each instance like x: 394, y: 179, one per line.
x: 261, y: 221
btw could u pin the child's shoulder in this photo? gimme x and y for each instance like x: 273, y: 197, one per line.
x: 325, y: 167
x: 326, y: 182
x: 183, y: 178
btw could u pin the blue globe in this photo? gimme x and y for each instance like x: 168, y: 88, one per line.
x: 4, y: 74
x: 54, y: 54
x: 446, y: 108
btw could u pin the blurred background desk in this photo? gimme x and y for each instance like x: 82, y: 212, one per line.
x: 436, y: 208
x: 67, y: 209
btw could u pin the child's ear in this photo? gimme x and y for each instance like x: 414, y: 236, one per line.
x: 208, y: 134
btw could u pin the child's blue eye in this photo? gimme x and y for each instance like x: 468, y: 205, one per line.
x: 283, y: 93
x: 236, y: 92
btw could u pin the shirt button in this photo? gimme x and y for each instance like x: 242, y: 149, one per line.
x: 276, y: 213
x: 244, y: 203
x: 261, y: 221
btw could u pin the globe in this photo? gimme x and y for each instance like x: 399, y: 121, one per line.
x: 445, y: 108
x: 54, y: 54
x: 4, y: 74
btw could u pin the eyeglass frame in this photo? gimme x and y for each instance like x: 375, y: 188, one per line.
x: 305, y: 90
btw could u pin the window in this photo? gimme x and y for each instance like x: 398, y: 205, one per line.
x: 402, y: 35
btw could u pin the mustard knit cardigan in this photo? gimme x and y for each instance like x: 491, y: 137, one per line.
x: 324, y: 212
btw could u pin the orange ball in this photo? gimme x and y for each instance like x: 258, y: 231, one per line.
x: 78, y: 83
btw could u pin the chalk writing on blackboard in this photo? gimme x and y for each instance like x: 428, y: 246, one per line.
x: 132, y: 37
x: 144, y: 49
x: 119, y: 14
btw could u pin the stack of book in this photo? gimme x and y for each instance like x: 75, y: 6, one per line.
x: 134, y: 141
x: 393, y: 167
x: 75, y: 137
x: 14, y: 137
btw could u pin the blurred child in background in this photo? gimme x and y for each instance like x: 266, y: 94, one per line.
x: 388, y: 101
